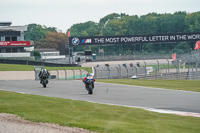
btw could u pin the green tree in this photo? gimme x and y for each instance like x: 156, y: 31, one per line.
x: 133, y: 25
x: 54, y: 40
x: 148, y: 24
x: 36, y: 55
x: 85, y: 29
x: 152, y: 23
x: 115, y: 27
x: 195, y: 27
x: 103, y: 21
x: 36, y: 32
x: 192, y: 21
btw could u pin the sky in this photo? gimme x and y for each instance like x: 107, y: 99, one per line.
x: 62, y: 14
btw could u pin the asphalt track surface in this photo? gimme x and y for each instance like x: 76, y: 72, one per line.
x: 110, y: 94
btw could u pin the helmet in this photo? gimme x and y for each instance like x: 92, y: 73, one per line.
x: 88, y: 74
x: 44, y: 70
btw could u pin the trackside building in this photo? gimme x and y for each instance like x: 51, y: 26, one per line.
x: 12, y: 42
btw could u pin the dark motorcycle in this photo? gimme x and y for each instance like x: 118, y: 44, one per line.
x: 44, y: 75
x: 90, y: 86
x: 44, y: 81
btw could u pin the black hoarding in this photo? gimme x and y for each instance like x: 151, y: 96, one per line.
x: 88, y: 52
x: 131, y: 39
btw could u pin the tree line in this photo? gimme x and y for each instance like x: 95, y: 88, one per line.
x: 122, y: 24
x: 46, y: 37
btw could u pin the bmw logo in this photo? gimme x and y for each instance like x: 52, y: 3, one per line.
x: 75, y: 41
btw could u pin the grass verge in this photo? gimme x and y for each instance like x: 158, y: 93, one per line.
x: 186, y: 85
x: 16, y: 67
x: 162, y: 66
x: 96, y: 117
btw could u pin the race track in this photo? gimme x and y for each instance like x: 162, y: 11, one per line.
x: 125, y: 95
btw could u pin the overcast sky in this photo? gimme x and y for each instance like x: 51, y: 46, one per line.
x: 62, y: 14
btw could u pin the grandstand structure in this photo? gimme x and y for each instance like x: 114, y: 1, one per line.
x: 12, y: 43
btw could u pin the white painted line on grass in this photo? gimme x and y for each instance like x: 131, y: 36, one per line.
x: 156, y: 110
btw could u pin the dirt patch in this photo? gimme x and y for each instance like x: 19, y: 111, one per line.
x: 10, y: 123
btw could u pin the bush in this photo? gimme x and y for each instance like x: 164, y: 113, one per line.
x: 36, y: 55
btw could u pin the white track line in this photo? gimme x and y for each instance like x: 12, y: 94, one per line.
x: 157, y: 110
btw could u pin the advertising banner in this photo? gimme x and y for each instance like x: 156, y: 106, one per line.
x: 131, y: 39
x: 15, y: 43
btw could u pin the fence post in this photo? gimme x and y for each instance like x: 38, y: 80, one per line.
x: 145, y: 72
x: 50, y: 75
x: 73, y: 73
x: 117, y: 72
x: 101, y: 72
x: 166, y: 71
x: 176, y: 70
x: 168, y: 65
x: 135, y: 70
x: 145, y: 64
x: 145, y: 68
x: 189, y: 74
x: 179, y: 67
x: 196, y: 63
x: 156, y: 72
x: 65, y: 74
x: 95, y: 72
x: 107, y: 72
x: 158, y: 66
x: 80, y: 73
x: 36, y: 75
x: 57, y: 74
x: 120, y: 74
x: 126, y: 70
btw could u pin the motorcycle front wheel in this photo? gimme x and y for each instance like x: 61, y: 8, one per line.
x: 90, y: 89
x: 44, y: 83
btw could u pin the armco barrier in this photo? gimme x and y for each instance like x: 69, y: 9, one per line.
x: 64, y: 74
x: 35, y: 63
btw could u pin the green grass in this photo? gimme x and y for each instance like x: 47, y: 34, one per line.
x: 162, y: 66
x: 16, y: 67
x: 165, y: 66
x: 95, y: 117
x: 187, y: 85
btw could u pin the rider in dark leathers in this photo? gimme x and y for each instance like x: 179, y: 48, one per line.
x: 42, y: 73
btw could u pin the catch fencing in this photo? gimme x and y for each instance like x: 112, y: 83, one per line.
x: 148, y: 71
x: 139, y: 56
